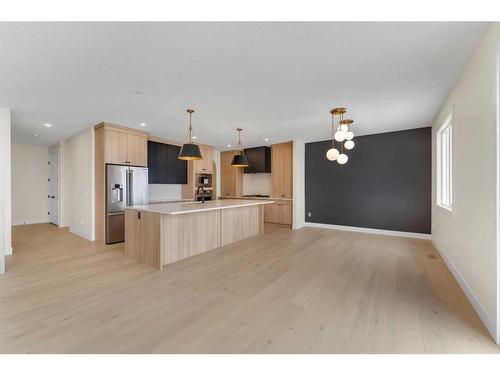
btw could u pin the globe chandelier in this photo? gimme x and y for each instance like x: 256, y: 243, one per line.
x: 342, y: 134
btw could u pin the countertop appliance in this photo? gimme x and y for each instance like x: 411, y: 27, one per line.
x: 125, y: 186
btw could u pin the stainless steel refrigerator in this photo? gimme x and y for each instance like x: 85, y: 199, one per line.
x: 125, y: 186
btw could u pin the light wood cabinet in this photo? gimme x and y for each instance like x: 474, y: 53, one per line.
x: 142, y: 237
x: 280, y: 212
x: 282, y: 170
x: 114, y: 144
x: 231, y: 177
x: 137, y: 149
x: 122, y: 146
x: 206, y: 164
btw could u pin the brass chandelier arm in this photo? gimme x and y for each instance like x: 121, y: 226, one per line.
x: 333, y: 130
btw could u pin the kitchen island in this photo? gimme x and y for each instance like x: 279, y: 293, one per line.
x: 159, y: 234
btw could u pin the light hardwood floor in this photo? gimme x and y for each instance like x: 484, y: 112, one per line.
x: 306, y: 291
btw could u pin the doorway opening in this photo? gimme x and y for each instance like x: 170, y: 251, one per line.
x: 53, y: 180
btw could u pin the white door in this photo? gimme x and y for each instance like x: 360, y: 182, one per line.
x: 54, y: 188
x: 2, y: 238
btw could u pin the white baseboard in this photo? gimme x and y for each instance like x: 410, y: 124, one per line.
x: 298, y: 225
x: 473, y: 299
x: 370, y: 230
x: 29, y: 222
x: 81, y: 234
x: 8, y: 252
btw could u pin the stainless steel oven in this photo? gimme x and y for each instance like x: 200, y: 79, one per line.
x: 203, y: 179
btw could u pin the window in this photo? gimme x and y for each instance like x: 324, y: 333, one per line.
x: 444, y: 144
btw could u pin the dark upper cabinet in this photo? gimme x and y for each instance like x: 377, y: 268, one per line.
x: 259, y: 159
x: 163, y: 165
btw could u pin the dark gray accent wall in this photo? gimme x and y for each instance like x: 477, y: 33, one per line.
x: 386, y: 184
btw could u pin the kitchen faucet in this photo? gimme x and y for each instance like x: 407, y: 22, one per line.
x: 203, y: 193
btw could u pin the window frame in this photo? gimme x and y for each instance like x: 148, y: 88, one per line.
x: 444, y: 160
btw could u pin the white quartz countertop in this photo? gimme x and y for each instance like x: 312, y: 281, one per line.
x: 258, y: 198
x: 190, y: 207
x: 155, y: 201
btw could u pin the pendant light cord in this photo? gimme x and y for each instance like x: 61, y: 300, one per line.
x: 240, y: 149
x: 190, y: 129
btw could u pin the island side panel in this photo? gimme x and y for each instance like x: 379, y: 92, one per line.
x: 142, y: 237
x: 261, y: 219
x: 240, y: 222
x: 185, y: 235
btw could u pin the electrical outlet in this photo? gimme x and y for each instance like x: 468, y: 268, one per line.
x: 309, y: 214
x: 81, y: 222
x: 473, y: 268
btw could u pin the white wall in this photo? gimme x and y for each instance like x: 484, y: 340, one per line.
x: 467, y: 238
x: 77, y: 184
x: 29, y: 184
x: 298, y: 184
x: 158, y: 192
x: 257, y: 183
x: 5, y: 186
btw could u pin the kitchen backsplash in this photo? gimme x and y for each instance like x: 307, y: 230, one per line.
x: 257, y: 183
x: 163, y: 191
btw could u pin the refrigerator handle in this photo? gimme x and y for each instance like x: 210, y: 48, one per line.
x: 127, y: 182
x: 131, y: 187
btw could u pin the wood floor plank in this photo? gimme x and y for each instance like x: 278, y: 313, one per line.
x: 306, y: 291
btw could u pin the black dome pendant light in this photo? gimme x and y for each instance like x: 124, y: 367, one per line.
x: 239, y: 160
x: 190, y: 150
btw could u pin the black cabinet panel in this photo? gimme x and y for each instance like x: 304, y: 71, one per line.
x: 259, y: 159
x: 164, y: 166
x: 386, y: 184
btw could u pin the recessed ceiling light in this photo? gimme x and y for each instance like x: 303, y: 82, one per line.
x: 143, y: 124
x: 47, y: 125
x: 34, y: 135
x: 228, y: 145
x: 266, y: 139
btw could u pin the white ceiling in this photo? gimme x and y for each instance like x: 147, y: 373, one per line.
x: 275, y: 80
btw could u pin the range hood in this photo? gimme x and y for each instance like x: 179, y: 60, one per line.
x: 259, y: 159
